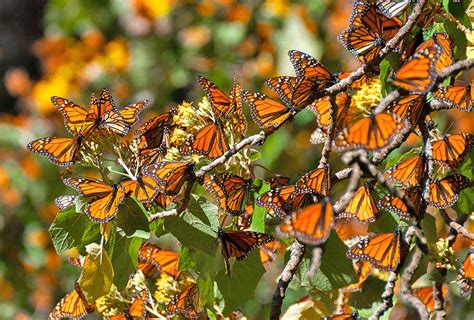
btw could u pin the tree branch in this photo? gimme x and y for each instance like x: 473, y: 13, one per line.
x: 296, y: 256
x: 456, y: 226
x: 387, y: 297
x: 405, y: 284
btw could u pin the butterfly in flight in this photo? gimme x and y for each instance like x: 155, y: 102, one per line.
x: 311, y: 225
x: 74, y: 305
x: 284, y: 200
x: 266, y: 112
x: 383, y: 251
x: 445, y: 192
x: 152, y: 258
x: 363, y: 206
x: 187, y: 303
x: 369, y: 31
x: 103, y: 200
x: 407, y: 172
x: 450, y: 150
x: 170, y: 175
x: 457, y: 96
x: 374, y: 132
x: 232, y: 192
x: 238, y: 244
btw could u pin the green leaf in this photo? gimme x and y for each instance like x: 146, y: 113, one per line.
x: 371, y: 292
x: 458, y: 10
x: 384, y: 71
x: 206, y: 288
x: 132, y: 220
x: 69, y: 230
x: 197, y: 227
x: 467, y: 167
x: 258, y: 216
x: 123, y: 251
x: 465, y: 203
x: 428, y: 224
x: 97, y: 275
x: 336, y: 271
x: 459, y: 39
x: 240, y: 286
x: 386, y: 223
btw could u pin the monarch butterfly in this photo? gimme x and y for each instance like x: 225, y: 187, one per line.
x: 209, y: 141
x: 445, y: 192
x: 363, y: 206
x: 308, y: 67
x: 162, y: 200
x: 383, y: 251
x: 311, y: 225
x: 186, y: 303
x: 418, y: 74
x: 144, y: 188
x: 468, y: 264
x: 103, y: 199
x: 459, y: 97
x: 65, y: 201
x: 284, y: 200
x: 446, y: 45
x: 74, y: 305
x: 137, y: 309
x: 295, y: 91
x: 322, y: 107
x: 266, y: 112
x: 451, y: 149
x: 152, y: 258
x: 76, y: 118
x: 232, y: 192
x: 170, y: 175
x: 409, y: 107
x: 277, y: 181
x: 224, y: 105
x: 425, y: 294
x: 268, y: 252
x: 344, y: 316
x: 396, y: 205
x: 368, y: 32
x: 362, y: 269
x: 392, y: 9
x: 371, y: 133
x: 238, y: 244
x: 407, y: 172
x: 366, y: 79
x: 317, y: 182
x: 152, y: 137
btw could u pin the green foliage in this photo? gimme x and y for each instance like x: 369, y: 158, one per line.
x: 240, y: 286
x: 97, y: 275
x: 71, y: 229
x: 123, y: 252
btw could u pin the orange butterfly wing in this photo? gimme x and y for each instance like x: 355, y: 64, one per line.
x: 321, y: 108
x: 407, y: 172
x: 209, y: 141
x: 186, y: 303
x: 382, y: 251
x: 418, y: 74
x: 396, y: 205
x: 103, y: 199
x: 362, y: 269
x: 371, y: 133
x: 451, y: 149
x: 170, y: 175
x: 460, y: 97
x: 425, y: 294
x: 445, y: 192
x: 409, y: 107
x: 363, y: 206
x: 284, y: 200
x: 468, y: 264
x: 312, y: 225
x: 296, y: 92
x: 137, y: 309
x: 60, y: 151
x: 317, y: 182
x: 74, y: 305
x: 266, y: 112
x: 144, y: 189
x: 130, y: 113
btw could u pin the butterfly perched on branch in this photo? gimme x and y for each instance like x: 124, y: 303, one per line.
x: 187, y: 303
x: 74, y: 305
x: 445, y: 192
x: 457, y: 96
x: 284, y: 200
x: 152, y: 258
x: 363, y: 206
x: 450, y: 150
x: 170, y: 175
x: 407, y: 172
x: 396, y: 205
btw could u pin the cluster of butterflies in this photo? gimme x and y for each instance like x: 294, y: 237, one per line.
x: 305, y: 208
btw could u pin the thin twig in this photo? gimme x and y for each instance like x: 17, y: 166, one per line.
x: 296, y: 256
x: 315, y: 262
x: 387, y: 297
x: 344, y: 200
x: 405, y: 284
x: 456, y: 226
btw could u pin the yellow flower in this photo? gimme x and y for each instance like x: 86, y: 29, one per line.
x: 166, y: 288
x: 366, y: 98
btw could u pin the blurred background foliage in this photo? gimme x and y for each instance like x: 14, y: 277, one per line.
x: 141, y: 49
